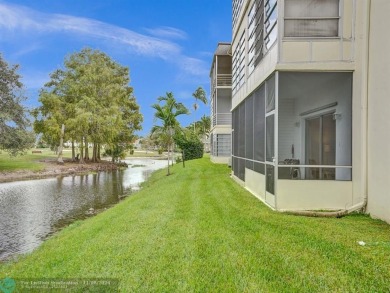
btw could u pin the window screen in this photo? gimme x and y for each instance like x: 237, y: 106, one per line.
x: 241, y: 169
x: 252, y: 140
x: 259, y: 124
x: 235, y: 132
x: 249, y: 127
x: 270, y: 138
x: 241, y: 132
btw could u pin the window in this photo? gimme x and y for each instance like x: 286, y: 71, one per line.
x: 251, y: 37
x: 241, y: 60
x: 237, y: 4
x: 262, y: 30
x: 238, y: 64
x: 221, y: 145
x: 235, y: 69
x: 270, y: 21
x: 311, y: 18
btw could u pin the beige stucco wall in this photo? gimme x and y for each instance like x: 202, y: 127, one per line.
x: 313, y: 194
x: 379, y: 112
x: 255, y: 183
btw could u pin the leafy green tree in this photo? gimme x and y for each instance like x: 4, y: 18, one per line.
x: 92, y: 97
x: 167, y: 114
x: 200, y: 95
x: 14, y: 135
x: 190, y: 143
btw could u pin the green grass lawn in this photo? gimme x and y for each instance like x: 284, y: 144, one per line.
x: 28, y: 161
x: 197, y: 230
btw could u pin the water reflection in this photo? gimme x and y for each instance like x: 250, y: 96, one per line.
x: 32, y: 210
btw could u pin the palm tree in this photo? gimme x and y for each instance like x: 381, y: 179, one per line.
x: 200, y: 95
x: 167, y: 113
x: 205, y: 124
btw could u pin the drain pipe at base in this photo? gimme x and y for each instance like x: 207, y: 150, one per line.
x: 330, y: 214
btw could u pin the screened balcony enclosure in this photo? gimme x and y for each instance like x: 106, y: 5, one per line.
x: 296, y: 127
x: 315, y: 126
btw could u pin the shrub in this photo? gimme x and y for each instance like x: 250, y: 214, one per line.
x: 191, y: 146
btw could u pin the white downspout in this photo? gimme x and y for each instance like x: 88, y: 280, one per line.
x: 363, y: 204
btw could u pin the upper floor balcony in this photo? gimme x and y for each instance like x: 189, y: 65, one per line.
x: 221, y: 81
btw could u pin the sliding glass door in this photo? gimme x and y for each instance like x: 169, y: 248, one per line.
x: 320, y: 146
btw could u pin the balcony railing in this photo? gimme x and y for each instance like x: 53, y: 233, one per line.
x: 223, y: 80
x: 222, y: 119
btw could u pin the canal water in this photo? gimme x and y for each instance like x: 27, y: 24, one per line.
x: 32, y: 210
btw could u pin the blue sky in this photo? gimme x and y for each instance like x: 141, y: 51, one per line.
x: 167, y: 44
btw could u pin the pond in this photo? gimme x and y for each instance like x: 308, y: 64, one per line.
x: 32, y: 210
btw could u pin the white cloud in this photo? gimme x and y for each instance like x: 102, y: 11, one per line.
x: 13, y: 17
x: 167, y: 32
x: 193, y: 65
x: 19, y: 19
x: 26, y: 50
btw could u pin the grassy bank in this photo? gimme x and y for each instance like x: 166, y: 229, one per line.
x: 197, y: 230
x: 28, y: 161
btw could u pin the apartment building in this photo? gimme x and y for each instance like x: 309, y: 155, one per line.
x: 310, y: 105
x: 221, y: 103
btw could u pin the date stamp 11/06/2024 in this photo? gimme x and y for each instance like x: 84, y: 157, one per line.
x: 9, y: 285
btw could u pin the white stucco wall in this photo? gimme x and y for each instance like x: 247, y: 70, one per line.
x: 379, y: 112
x: 314, y: 194
x: 255, y: 183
